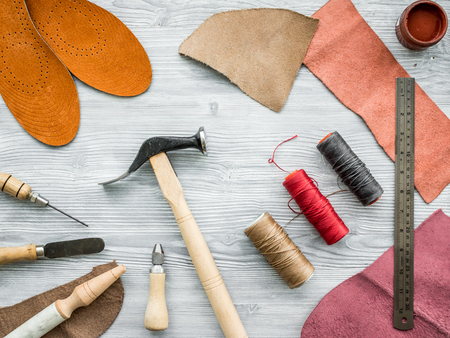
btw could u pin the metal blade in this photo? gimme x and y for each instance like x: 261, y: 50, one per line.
x: 159, y: 144
x: 72, y: 248
x: 127, y: 173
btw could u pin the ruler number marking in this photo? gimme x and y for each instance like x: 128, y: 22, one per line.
x: 404, y: 205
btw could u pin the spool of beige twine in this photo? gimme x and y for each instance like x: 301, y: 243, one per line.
x: 279, y: 250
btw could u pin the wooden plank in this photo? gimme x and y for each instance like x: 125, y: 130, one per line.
x: 225, y: 191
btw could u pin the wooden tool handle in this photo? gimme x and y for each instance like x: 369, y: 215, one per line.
x: 56, y: 313
x: 198, y: 249
x: 156, y: 316
x: 84, y: 294
x: 17, y: 254
x: 14, y: 187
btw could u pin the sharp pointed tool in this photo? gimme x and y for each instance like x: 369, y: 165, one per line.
x: 62, y: 212
x: 22, y: 191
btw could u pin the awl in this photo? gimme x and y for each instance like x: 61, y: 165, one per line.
x: 22, y: 191
x: 32, y: 252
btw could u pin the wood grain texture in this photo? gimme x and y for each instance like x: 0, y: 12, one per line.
x: 225, y: 190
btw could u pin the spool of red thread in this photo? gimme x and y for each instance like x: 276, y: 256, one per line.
x: 316, y: 207
x: 421, y: 25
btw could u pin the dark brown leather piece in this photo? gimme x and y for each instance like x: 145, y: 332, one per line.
x: 87, y: 322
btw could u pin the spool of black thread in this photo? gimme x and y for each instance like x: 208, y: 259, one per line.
x: 350, y: 169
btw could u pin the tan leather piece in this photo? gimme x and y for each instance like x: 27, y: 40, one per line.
x: 94, y: 45
x: 259, y: 50
x: 35, y: 85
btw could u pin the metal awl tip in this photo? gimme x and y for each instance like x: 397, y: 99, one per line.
x: 62, y: 212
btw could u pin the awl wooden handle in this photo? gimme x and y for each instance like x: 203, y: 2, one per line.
x: 17, y: 254
x: 198, y: 249
x: 156, y: 316
x: 14, y: 187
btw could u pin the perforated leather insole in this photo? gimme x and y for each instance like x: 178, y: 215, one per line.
x: 96, y: 46
x: 35, y: 85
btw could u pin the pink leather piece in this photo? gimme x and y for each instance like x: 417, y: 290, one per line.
x: 352, y: 61
x: 362, y: 306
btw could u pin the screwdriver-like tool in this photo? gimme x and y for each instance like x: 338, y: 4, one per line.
x: 156, y: 316
x: 22, y: 191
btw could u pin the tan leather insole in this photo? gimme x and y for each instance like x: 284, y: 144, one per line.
x: 35, y: 85
x: 96, y: 46
x: 260, y: 50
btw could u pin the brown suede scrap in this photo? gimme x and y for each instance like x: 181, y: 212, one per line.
x: 87, y: 322
x: 260, y: 50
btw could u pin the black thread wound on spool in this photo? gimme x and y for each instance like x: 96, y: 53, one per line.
x: 350, y: 169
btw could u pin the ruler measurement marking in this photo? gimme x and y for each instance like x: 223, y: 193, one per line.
x: 404, y: 205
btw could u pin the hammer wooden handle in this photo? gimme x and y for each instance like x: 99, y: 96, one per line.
x: 14, y: 187
x: 198, y: 249
x: 17, y: 254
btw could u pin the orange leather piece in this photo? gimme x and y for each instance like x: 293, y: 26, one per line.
x: 37, y: 88
x: 94, y: 45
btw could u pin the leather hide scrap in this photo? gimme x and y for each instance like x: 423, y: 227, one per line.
x: 356, y: 66
x: 259, y: 50
x: 87, y: 322
x: 363, y: 306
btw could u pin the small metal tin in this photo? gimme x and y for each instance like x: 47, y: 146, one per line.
x: 421, y: 25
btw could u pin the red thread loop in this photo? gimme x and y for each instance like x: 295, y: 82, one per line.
x: 289, y: 205
x: 272, y: 160
x: 316, y: 208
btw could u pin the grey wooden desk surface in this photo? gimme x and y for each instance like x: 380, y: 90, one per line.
x: 225, y: 190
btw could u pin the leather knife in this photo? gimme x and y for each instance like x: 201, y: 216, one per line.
x: 32, y: 252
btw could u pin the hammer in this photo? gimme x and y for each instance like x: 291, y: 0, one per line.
x: 155, y: 149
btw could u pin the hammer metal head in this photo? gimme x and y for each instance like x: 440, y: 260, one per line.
x: 155, y: 145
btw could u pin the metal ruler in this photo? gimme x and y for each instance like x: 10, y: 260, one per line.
x: 404, y: 205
